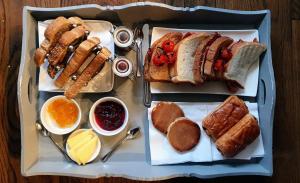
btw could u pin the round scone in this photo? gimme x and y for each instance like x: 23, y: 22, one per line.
x: 183, y: 134
x: 163, y: 114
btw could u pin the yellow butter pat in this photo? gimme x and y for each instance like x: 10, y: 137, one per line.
x: 87, y: 150
x: 72, y: 141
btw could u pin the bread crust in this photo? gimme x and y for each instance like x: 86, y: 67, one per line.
x: 174, y: 73
x: 225, y: 116
x: 183, y: 134
x: 81, y: 54
x: 239, y: 136
x: 52, y: 34
x: 58, y: 53
x: 163, y: 114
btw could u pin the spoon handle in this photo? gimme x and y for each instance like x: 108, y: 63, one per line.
x: 106, y: 157
x: 60, y: 149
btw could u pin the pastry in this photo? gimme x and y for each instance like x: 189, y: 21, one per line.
x: 239, y: 136
x: 225, y: 116
x: 163, y: 114
x: 183, y: 134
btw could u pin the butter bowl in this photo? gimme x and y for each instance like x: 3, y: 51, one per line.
x: 83, y: 146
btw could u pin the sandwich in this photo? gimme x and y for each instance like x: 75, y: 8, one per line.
x: 83, y: 51
x: 182, y: 69
x: 88, y: 73
x: 52, y: 34
x: 160, y: 55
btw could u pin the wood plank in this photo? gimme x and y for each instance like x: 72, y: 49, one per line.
x: 4, y: 154
x: 296, y: 10
x: 286, y: 56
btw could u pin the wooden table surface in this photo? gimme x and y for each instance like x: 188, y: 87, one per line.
x: 286, y: 63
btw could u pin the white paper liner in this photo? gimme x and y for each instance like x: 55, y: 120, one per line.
x: 163, y: 153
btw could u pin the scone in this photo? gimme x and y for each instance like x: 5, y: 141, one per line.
x: 183, y: 134
x: 163, y: 114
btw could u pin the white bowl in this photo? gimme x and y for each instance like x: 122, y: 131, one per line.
x: 100, y: 130
x: 97, y: 151
x: 51, y: 125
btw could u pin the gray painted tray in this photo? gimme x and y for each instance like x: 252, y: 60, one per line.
x: 40, y: 157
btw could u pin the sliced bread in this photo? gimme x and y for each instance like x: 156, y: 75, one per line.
x: 183, y: 67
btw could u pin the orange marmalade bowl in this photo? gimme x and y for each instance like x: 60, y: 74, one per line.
x: 60, y: 115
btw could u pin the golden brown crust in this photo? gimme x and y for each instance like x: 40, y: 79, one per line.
x: 163, y: 114
x: 88, y: 73
x: 81, y: 53
x: 39, y: 56
x: 52, y: 33
x: 239, y: 136
x: 58, y: 53
x: 183, y: 134
x: 226, y: 115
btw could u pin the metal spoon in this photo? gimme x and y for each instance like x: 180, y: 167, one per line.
x: 45, y: 133
x: 131, y: 134
x: 138, y: 34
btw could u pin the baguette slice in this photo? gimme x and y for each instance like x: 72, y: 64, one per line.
x: 52, y: 34
x: 244, y: 55
x: 184, y: 65
x: 88, y: 73
x: 239, y: 136
x: 80, y: 55
x: 58, y: 53
x: 160, y: 73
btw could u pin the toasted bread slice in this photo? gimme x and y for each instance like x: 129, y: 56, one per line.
x: 52, y: 34
x: 88, y: 73
x: 58, y: 53
x: 80, y: 55
x: 212, y: 55
x: 244, y: 55
x: 160, y: 73
x: 184, y: 65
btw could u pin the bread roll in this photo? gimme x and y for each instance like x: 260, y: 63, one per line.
x: 239, y: 136
x: 225, y: 116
